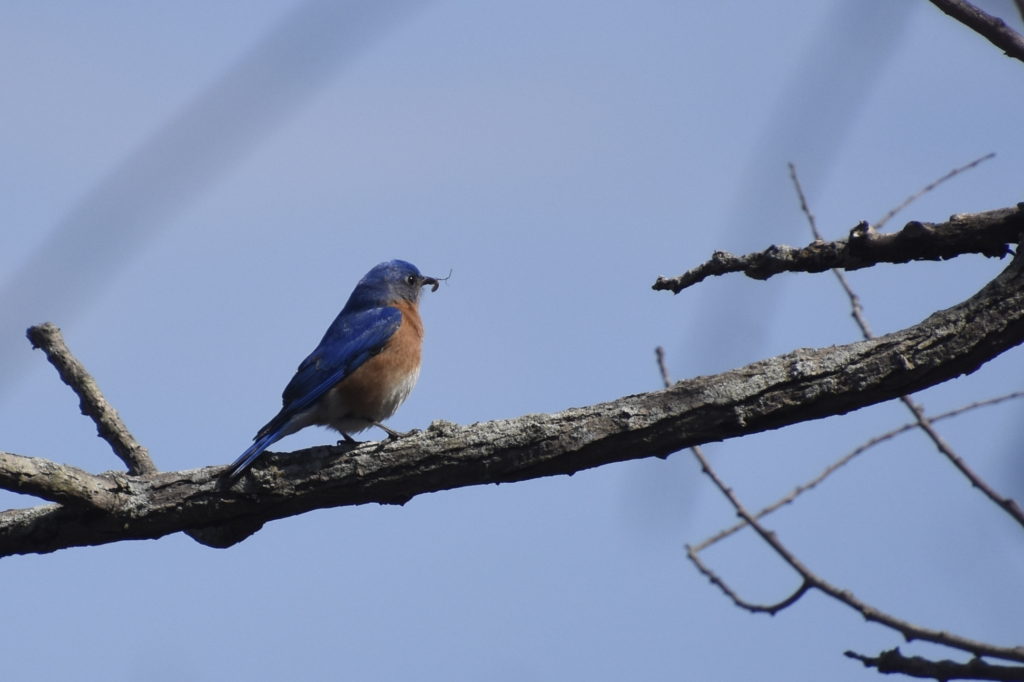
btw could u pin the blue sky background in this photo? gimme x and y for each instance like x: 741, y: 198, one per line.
x: 192, y: 201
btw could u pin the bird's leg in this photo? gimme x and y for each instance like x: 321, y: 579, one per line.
x: 392, y: 434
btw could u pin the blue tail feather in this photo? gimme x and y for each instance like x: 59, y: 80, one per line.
x: 252, y: 452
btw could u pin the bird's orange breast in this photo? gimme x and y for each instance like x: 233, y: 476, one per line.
x: 375, y: 389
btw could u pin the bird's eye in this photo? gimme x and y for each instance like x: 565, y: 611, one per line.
x: 411, y: 279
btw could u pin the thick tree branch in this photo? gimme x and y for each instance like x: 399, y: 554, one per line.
x: 992, y: 28
x: 802, y: 385
x: 986, y: 233
x: 893, y: 661
x: 108, y: 422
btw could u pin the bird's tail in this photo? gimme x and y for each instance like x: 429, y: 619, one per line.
x: 252, y: 452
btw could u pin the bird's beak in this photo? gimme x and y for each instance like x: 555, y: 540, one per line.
x: 432, y: 281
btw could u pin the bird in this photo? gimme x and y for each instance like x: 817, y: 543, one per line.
x: 364, y: 367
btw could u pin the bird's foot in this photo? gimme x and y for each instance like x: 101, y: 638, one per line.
x: 347, y: 440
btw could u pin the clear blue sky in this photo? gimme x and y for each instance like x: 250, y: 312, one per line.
x: 193, y: 232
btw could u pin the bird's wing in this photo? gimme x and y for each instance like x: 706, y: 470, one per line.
x: 351, y: 340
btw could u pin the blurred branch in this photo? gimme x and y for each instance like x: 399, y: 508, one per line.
x: 992, y: 28
x: 91, y: 401
x: 799, y: 386
x: 813, y: 580
x: 893, y: 661
x: 988, y: 233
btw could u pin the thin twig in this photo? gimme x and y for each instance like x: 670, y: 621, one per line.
x: 91, y: 401
x: 843, y: 461
x: 692, y: 554
x: 929, y: 187
x: 992, y: 28
x: 857, y: 310
x: 909, y: 630
x: 659, y: 354
x: 1005, y: 503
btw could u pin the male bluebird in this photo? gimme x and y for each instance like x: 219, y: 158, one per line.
x: 364, y: 367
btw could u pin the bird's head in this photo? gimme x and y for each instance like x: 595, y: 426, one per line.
x: 390, y: 282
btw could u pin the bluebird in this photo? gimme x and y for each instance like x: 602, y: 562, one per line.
x: 363, y: 368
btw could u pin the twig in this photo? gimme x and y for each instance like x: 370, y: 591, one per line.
x: 843, y: 461
x: 1005, y: 503
x: 931, y: 186
x: 992, y: 28
x: 907, y: 629
x: 91, y: 401
x: 56, y: 482
x: 659, y: 354
x: 857, y: 310
x: 893, y: 661
x: 986, y: 233
x: 692, y: 554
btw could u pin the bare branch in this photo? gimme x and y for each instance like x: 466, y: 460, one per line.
x: 799, y: 386
x: 929, y: 187
x: 659, y: 354
x: 56, y: 482
x: 992, y: 28
x: 893, y: 661
x: 93, y: 405
x: 693, y: 555
x: 843, y: 461
x: 986, y: 233
x: 1005, y: 503
x: 857, y: 310
x: 909, y: 630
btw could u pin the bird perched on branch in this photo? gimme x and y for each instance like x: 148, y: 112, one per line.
x: 364, y: 367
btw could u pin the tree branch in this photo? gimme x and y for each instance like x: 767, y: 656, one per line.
x: 1005, y: 503
x: 57, y: 482
x: 693, y: 554
x: 802, y: 385
x: 986, y: 233
x: 93, y: 405
x: 992, y: 28
x: 891, y: 213
x: 893, y: 661
x: 839, y: 463
x: 813, y: 580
